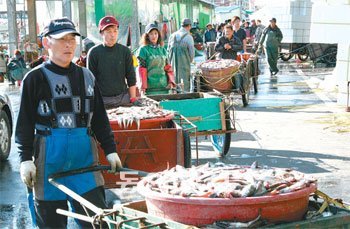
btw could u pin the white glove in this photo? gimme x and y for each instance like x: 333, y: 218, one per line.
x: 28, y: 173
x: 114, y: 161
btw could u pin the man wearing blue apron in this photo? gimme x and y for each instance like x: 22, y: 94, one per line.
x: 61, y: 112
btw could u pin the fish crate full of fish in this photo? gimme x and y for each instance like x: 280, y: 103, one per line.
x: 137, y: 132
x: 202, y: 195
x: 138, y: 117
x: 226, y: 76
x: 218, y: 74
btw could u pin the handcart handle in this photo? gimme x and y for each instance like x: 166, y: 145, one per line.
x: 95, y: 168
x: 98, y: 211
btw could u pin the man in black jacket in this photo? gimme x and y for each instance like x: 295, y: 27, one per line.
x: 228, y: 45
x: 61, y: 107
x: 112, y: 65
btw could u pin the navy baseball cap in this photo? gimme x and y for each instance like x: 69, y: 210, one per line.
x: 58, y: 28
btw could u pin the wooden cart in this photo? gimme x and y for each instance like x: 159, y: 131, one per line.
x: 235, y: 82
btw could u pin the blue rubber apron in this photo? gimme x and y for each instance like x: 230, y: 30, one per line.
x: 66, y: 149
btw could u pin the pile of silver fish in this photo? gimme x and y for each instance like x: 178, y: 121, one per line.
x: 230, y: 181
x: 126, y: 116
x: 219, y: 64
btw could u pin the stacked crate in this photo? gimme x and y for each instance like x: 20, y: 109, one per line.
x: 293, y: 18
x: 334, y: 28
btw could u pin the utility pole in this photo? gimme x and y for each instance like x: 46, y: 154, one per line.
x: 135, y: 32
x: 32, y: 21
x: 12, y: 26
x: 82, y: 18
x: 67, y: 9
x: 240, y: 8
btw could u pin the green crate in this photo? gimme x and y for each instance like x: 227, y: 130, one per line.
x: 205, y: 113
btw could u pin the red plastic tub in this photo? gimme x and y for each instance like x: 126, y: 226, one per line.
x: 202, y: 211
x: 245, y: 56
x: 153, y: 123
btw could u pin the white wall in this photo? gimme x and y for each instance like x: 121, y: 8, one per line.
x: 334, y: 28
x: 148, y: 11
x: 221, y: 17
x: 293, y: 18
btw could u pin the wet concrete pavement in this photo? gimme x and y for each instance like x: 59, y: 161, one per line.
x: 293, y: 123
x: 289, y: 123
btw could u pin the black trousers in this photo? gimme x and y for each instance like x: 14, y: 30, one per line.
x: 46, y: 216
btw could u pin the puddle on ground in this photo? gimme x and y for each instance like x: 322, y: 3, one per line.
x: 14, y: 216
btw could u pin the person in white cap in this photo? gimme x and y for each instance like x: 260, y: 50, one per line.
x: 156, y: 74
x: 61, y: 112
x: 181, y: 54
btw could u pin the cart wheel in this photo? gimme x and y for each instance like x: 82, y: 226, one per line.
x: 286, y: 56
x: 240, y: 85
x: 255, y: 84
x: 5, y: 136
x: 303, y: 54
x: 221, y: 143
x: 330, y: 55
x: 246, y: 94
x: 187, y: 150
x: 245, y: 99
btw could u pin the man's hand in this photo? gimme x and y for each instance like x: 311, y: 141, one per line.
x: 259, y: 50
x: 114, y: 161
x: 28, y: 173
x: 227, y: 46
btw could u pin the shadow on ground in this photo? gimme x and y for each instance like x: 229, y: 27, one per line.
x: 306, y: 162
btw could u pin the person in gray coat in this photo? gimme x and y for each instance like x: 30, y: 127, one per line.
x: 181, y: 54
x: 258, y: 32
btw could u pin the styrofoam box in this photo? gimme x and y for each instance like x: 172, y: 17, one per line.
x: 294, y: 4
x: 342, y: 72
x: 335, y: 14
x: 342, y: 98
x: 295, y: 11
x: 285, y: 25
x: 305, y: 11
x: 301, y: 26
x: 329, y: 33
x: 342, y: 86
x: 304, y: 39
x: 343, y: 52
x: 287, y: 32
x: 284, y: 18
x: 307, y: 33
x: 299, y: 32
x: 297, y: 39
